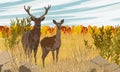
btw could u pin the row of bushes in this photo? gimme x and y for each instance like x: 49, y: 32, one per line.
x: 108, y: 43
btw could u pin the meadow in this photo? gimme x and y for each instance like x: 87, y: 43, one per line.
x: 73, y: 56
x: 79, y: 45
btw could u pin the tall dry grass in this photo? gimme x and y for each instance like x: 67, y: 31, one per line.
x: 74, y: 56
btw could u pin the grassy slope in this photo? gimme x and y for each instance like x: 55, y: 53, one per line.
x: 73, y: 55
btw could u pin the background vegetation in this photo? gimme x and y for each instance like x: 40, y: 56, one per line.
x: 79, y: 44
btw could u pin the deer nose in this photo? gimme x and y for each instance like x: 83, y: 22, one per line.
x: 38, y: 25
x: 59, y: 27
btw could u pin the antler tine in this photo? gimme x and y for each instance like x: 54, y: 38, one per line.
x: 46, y: 10
x: 28, y: 11
x: 47, y: 7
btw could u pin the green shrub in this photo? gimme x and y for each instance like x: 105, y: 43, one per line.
x: 17, y: 27
x: 107, y: 43
x: 116, y: 46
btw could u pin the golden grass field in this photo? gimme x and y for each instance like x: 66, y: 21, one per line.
x: 74, y: 56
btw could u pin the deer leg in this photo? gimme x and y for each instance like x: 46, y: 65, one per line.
x: 25, y: 52
x: 44, y: 54
x: 53, y: 56
x: 25, y: 55
x: 30, y: 55
x: 57, y: 52
x: 36, y: 44
x: 35, y: 53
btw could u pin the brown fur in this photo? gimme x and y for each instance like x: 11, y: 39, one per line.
x: 52, y: 43
x: 30, y: 39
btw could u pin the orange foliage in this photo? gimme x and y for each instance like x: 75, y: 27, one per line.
x: 2, y: 28
x: 84, y: 30
x: 64, y: 29
x: 5, y: 29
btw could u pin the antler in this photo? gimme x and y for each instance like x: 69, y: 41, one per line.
x: 46, y: 10
x: 28, y: 11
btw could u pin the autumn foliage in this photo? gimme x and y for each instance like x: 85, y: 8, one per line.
x: 64, y: 29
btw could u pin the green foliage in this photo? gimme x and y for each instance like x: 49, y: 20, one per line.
x: 17, y: 27
x: 116, y: 46
x: 107, y: 43
x: 20, y: 25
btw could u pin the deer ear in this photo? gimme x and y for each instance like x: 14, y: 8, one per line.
x: 62, y: 21
x: 54, y: 22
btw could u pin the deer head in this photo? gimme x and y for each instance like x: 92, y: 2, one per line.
x: 58, y: 24
x: 37, y: 21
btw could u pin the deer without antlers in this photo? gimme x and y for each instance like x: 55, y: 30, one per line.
x: 52, y: 43
x: 30, y: 39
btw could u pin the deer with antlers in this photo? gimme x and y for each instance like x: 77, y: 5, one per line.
x: 30, y: 39
x: 52, y: 43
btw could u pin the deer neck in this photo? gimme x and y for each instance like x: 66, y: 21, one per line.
x: 58, y: 35
x: 36, y: 28
x: 36, y: 31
